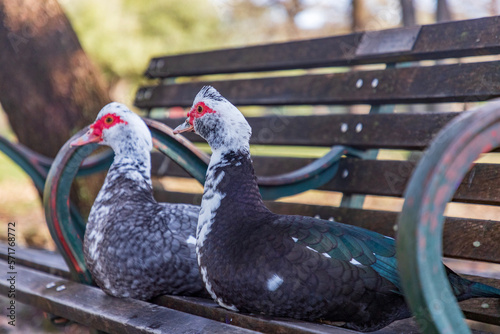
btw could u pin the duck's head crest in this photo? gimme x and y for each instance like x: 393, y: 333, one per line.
x: 117, y: 126
x: 218, y: 121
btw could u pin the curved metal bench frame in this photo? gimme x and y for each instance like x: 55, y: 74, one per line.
x: 34, y: 164
x: 432, y: 185
x: 68, y: 234
x: 37, y: 167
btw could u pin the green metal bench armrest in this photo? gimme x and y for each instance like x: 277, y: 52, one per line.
x: 311, y: 176
x: 68, y: 234
x: 31, y: 162
x: 431, y: 187
x: 36, y: 164
x: 37, y: 167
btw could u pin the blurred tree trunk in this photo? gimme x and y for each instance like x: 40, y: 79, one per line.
x: 49, y: 89
x: 493, y: 7
x: 443, y: 12
x: 359, y: 15
x: 408, y: 13
x: 292, y: 8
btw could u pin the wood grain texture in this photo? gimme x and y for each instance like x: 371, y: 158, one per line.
x: 52, y: 263
x: 464, y: 82
x: 43, y: 260
x: 481, y: 185
x: 437, y: 41
x: 414, y: 131
x: 92, y: 307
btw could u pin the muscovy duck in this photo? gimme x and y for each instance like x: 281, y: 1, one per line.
x: 134, y: 246
x: 255, y: 261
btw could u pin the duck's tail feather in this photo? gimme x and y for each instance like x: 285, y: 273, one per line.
x: 465, y: 289
x: 483, y: 290
x: 462, y: 287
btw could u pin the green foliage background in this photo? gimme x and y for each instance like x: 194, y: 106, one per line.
x: 122, y: 35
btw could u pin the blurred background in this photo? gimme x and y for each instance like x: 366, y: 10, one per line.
x: 48, y: 93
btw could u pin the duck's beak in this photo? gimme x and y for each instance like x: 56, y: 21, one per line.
x: 87, y: 138
x: 184, y: 127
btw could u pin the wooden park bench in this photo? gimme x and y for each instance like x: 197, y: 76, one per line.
x: 346, y: 115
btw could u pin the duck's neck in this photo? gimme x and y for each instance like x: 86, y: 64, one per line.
x: 231, y: 193
x: 134, y: 167
x: 231, y: 173
x: 128, y: 180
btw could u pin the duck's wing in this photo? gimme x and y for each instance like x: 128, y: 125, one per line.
x: 344, y: 242
x: 181, y: 219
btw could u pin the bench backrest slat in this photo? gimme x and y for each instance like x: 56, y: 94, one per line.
x: 398, y: 131
x: 437, y: 41
x: 464, y: 82
x: 389, y: 178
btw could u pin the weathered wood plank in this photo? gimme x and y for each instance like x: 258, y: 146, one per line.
x: 464, y: 82
x: 46, y: 262
x: 437, y: 41
x: 92, y: 307
x: 208, y: 309
x: 40, y: 259
x: 43, y: 260
x: 414, y: 131
x: 483, y: 309
x: 266, y: 324
x: 389, y: 178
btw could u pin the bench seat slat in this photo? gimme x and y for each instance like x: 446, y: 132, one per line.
x: 208, y: 309
x: 414, y: 131
x: 43, y: 260
x: 91, y: 306
x: 433, y: 42
x: 464, y: 82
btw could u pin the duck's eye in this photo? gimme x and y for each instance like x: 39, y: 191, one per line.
x: 199, y: 109
x: 108, y: 120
